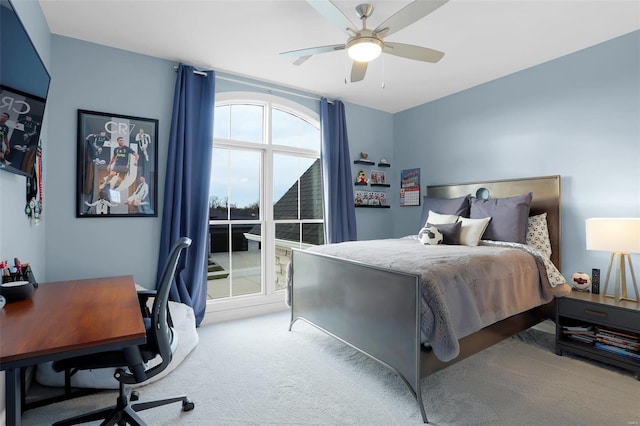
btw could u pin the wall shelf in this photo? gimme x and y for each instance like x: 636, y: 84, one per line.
x: 384, y: 165
x: 373, y: 207
x: 360, y: 184
x: 367, y: 162
x: 386, y: 185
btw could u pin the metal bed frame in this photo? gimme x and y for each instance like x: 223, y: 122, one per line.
x: 377, y: 310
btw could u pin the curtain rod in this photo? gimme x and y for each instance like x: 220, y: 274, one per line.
x: 196, y: 72
x: 261, y: 86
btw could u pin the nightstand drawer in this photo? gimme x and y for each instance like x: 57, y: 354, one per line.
x: 593, y: 312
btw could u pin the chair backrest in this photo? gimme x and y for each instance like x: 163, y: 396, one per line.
x: 160, y: 330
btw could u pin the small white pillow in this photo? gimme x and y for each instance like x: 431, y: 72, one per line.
x: 472, y: 230
x: 440, y: 219
x: 538, y: 234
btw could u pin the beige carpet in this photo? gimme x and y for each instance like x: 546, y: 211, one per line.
x: 255, y: 372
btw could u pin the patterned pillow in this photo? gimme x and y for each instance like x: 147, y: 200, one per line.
x: 538, y: 234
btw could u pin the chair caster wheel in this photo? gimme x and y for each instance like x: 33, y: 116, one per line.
x: 188, y: 405
x: 134, y: 396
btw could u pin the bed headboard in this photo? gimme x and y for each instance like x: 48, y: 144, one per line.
x: 546, y: 198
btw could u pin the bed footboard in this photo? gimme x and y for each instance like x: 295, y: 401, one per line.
x: 374, y: 310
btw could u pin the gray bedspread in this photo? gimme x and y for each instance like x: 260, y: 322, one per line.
x: 464, y: 288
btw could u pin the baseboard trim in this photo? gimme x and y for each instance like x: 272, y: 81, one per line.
x: 217, y: 316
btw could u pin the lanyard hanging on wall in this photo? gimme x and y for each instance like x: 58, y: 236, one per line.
x: 33, y: 209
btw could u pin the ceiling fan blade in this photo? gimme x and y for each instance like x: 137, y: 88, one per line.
x: 358, y: 70
x: 301, y: 60
x: 408, y: 15
x: 307, y: 53
x: 413, y: 52
x: 334, y: 15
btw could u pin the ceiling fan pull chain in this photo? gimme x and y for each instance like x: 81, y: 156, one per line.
x: 346, y: 67
x: 383, y: 73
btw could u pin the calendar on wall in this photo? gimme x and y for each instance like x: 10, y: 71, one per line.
x: 410, y: 187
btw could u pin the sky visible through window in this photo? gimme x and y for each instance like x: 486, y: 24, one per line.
x: 235, y: 174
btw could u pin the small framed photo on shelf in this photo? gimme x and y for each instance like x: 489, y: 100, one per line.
x: 377, y: 177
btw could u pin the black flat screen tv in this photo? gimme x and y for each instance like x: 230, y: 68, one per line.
x: 24, y: 86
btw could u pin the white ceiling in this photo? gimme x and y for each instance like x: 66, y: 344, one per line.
x: 483, y: 40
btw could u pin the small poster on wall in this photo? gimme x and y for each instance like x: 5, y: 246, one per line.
x: 410, y: 187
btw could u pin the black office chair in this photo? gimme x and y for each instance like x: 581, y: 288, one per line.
x: 159, y: 338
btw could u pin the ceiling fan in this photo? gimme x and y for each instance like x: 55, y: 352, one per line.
x: 365, y: 45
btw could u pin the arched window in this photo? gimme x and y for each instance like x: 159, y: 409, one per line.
x: 265, y: 196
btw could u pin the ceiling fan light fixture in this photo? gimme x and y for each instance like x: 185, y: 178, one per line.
x: 364, y: 49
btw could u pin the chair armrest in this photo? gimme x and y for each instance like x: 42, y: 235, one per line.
x: 143, y: 298
x: 146, y: 293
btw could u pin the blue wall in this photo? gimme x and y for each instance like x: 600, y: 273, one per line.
x: 577, y: 116
x: 94, y: 77
x: 371, y: 131
x: 98, y: 78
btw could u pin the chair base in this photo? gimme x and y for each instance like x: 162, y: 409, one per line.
x: 122, y: 413
x: 70, y: 392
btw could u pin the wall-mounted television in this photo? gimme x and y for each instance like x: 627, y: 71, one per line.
x: 24, y: 86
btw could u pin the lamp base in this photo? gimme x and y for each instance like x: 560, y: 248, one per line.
x: 620, y: 289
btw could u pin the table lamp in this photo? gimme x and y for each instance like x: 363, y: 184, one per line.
x: 620, y: 236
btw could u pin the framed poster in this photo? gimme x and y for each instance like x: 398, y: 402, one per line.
x: 116, y: 165
x: 410, y: 187
x: 21, y: 116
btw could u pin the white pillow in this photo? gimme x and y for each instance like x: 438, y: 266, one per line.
x: 440, y: 219
x: 538, y: 234
x: 472, y: 230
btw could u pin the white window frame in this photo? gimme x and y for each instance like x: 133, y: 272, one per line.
x: 271, y: 300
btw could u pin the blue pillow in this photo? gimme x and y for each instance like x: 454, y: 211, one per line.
x: 509, y: 217
x: 458, y: 206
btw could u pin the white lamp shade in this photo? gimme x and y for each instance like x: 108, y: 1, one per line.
x: 364, y: 49
x: 613, y: 234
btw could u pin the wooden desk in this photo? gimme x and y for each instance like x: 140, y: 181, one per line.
x: 64, y: 319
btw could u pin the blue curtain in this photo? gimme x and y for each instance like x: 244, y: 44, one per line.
x: 186, y: 193
x: 339, y: 210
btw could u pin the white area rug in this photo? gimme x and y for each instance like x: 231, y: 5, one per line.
x: 255, y: 372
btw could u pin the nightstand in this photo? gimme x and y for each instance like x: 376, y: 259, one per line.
x: 585, y: 322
